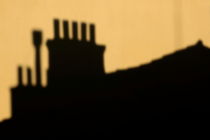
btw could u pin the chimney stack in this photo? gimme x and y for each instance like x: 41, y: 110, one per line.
x: 84, y: 31
x: 92, y: 33
x: 75, y: 30
x: 56, y: 29
x: 29, y: 79
x: 66, y: 29
x: 37, y: 39
x: 20, y: 76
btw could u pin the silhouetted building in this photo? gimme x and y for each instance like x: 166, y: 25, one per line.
x: 72, y: 63
x: 79, y: 93
x: 80, y: 98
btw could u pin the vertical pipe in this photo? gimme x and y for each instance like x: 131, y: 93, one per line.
x: 56, y: 29
x: 29, y: 79
x: 66, y: 29
x: 20, y: 76
x: 38, y: 66
x: 92, y: 33
x: 84, y: 32
x: 75, y: 30
x: 37, y: 38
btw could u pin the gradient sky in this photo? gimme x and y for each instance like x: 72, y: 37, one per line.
x: 134, y: 31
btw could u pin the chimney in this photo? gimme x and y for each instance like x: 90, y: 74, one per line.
x: 84, y: 31
x: 37, y: 39
x: 66, y: 29
x: 56, y: 29
x: 92, y: 33
x: 75, y: 30
x: 29, y: 79
x: 20, y: 76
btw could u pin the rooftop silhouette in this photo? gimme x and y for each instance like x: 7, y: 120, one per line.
x: 80, y: 98
x: 73, y: 64
x: 180, y: 68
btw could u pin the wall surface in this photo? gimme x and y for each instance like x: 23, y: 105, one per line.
x: 134, y: 31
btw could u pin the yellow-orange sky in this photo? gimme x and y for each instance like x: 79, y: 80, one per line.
x: 134, y: 31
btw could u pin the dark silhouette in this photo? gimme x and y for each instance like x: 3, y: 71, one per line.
x: 37, y: 40
x: 81, y: 100
x: 72, y: 58
x: 73, y: 66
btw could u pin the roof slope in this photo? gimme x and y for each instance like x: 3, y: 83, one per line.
x: 190, y: 65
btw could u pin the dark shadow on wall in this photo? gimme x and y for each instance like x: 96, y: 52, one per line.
x: 81, y: 100
x: 74, y: 58
x: 73, y: 67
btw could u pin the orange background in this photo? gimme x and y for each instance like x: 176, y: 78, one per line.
x: 134, y: 31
